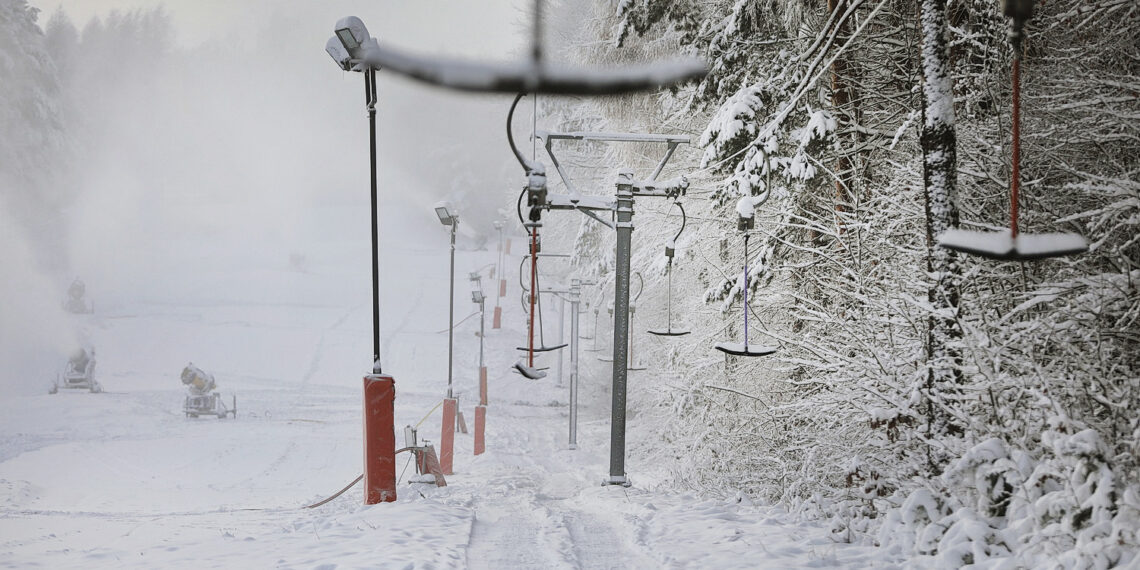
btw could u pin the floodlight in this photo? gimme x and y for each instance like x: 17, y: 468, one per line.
x: 351, y: 32
x: 445, y: 216
x: 476, y: 296
x: 346, y: 39
x: 338, y: 53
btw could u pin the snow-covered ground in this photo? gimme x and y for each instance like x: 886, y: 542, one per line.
x: 122, y: 479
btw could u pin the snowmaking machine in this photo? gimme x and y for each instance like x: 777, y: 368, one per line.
x: 203, y: 399
x: 75, y: 302
x: 79, y: 373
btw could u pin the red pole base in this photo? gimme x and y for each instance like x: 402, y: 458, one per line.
x: 497, y: 322
x: 447, y: 435
x: 480, y: 425
x: 502, y: 287
x: 379, y: 439
x: 507, y: 247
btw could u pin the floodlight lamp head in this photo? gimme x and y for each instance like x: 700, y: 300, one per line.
x: 340, y: 55
x: 352, y: 34
x: 744, y: 224
x: 497, y: 224
x: 446, y: 217
x: 477, y: 297
x: 474, y: 276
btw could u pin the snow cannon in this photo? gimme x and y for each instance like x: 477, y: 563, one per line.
x: 203, y: 399
x: 75, y: 302
x: 197, y: 380
x: 79, y: 373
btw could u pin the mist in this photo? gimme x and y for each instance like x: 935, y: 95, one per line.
x: 183, y: 161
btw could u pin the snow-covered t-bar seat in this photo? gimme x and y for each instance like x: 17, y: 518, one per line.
x: 529, y: 372
x: 355, y: 50
x: 532, y: 76
x: 1002, y: 245
x: 741, y: 349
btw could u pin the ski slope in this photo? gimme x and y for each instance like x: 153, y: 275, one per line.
x: 123, y: 480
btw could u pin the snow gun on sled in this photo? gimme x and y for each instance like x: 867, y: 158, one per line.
x: 203, y: 399
x: 79, y: 374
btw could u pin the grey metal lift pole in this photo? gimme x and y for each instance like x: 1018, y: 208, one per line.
x: 621, y: 328
x: 482, y: 322
x: 575, y: 295
x: 561, y: 327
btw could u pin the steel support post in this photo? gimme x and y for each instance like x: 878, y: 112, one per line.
x: 575, y: 292
x: 561, y: 326
x: 621, y: 328
x: 370, y: 96
x: 451, y: 307
x: 482, y: 366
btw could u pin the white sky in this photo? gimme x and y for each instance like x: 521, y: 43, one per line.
x: 486, y: 28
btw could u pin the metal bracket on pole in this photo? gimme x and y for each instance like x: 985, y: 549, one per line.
x: 587, y: 204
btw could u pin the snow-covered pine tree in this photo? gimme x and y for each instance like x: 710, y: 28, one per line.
x: 32, y: 141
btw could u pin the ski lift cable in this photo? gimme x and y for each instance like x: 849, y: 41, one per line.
x: 461, y: 321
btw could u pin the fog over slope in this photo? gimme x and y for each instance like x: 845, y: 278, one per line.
x: 192, y: 143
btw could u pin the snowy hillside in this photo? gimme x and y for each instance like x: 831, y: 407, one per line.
x: 123, y: 479
x: 893, y: 248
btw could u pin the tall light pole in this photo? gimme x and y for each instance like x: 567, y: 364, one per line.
x: 450, y: 405
x: 350, y: 44
x: 478, y: 298
x: 347, y: 47
x: 448, y: 219
x: 481, y: 409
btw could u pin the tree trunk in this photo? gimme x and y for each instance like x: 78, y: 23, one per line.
x: 841, y: 100
x: 944, y: 374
